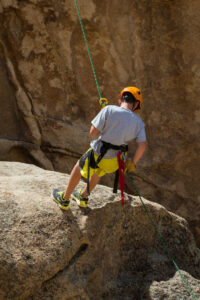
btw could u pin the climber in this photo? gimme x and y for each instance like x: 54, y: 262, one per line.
x: 115, y: 127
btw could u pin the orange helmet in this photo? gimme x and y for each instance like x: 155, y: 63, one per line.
x: 136, y: 94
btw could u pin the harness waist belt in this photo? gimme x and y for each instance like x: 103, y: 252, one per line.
x: 106, y: 146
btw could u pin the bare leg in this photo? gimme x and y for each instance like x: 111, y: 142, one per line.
x: 74, y: 179
x: 93, y: 182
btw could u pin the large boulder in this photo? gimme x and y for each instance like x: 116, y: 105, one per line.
x: 106, y: 251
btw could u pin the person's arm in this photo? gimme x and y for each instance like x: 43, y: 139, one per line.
x: 98, y: 122
x: 94, y: 131
x: 139, y: 152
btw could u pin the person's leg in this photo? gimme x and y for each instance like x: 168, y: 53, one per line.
x: 74, y: 179
x: 94, y: 180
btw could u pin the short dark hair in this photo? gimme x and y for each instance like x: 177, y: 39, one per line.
x: 128, y: 97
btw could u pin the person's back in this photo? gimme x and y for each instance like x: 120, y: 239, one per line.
x: 117, y: 126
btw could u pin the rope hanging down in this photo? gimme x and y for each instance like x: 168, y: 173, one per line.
x: 88, y: 50
x: 161, y: 239
x: 145, y: 208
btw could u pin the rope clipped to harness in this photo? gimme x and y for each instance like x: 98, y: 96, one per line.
x: 94, y: 164
x: 121, y: 175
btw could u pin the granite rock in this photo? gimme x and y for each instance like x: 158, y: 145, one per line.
x: 106, y: 251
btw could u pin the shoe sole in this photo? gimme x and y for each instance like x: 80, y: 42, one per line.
x: 78, y: 202
x: 60, y: 205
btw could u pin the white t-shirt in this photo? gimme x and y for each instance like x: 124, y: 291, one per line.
x: 117, y: 126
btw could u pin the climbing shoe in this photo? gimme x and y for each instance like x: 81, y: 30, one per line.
x: 58, y: 198
x: 81, y: 201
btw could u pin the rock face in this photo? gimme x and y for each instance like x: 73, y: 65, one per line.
x: 48, y: 94
x: 103, y: 252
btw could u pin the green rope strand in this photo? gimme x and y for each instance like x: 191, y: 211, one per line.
x: 88, y: 50
x: 161, y: 239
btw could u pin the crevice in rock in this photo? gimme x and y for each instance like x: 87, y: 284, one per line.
x: 81, y: 251
x: 15, y: 142
x: 61, y: 151
x: 40, y: 117
x: 33, y: 111
x: 19, y: 150
x: 24, y: 102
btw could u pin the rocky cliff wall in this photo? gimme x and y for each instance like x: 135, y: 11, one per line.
x: 48, y: 95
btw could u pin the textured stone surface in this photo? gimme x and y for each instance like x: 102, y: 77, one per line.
x: 48, y: 94
x: 103, y: 252
x: 173, y: 288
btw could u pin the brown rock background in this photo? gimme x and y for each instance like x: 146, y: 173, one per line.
x: 48, y: 94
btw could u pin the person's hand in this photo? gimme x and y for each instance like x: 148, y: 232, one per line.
x: 129, y: 166
x: 103, y: 102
